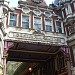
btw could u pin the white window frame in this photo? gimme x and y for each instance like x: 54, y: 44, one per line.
x: 49, y: 25
x: 41, y: 21
x: 29, y: 19
x: 9, y: 19
x: 62, y: 27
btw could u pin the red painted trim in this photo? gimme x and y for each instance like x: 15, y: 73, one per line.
x: 64, y: 13
x: 31, y: 13
x: 43, y: 22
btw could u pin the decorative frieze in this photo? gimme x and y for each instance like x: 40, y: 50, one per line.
x: 36, y: 38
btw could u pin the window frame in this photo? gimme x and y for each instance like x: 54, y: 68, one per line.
x: 10, y: 19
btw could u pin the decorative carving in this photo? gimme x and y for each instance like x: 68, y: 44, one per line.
x: 37, y: 1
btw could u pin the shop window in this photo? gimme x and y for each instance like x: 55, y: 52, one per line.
x: 25, y: 21
x: 48, y: 26
x: 13, y: 19
x: 37, y: 23
x: 58, y: 27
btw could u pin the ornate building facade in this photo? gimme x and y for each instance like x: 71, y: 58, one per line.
x: 35, y: 35
x: 67, y: 8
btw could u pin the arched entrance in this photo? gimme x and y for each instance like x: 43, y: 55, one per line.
x: 44, y: 59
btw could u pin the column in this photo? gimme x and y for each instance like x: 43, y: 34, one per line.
x: 69, y: 66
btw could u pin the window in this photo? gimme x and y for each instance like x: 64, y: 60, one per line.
x: 25, y: 21
x: 37, y: 12
x: 48, y: 26
x: 13, y: 19
x: 47, y: 14
x: 37, y: 23
x: 58, y: 27
x: 26, y: 10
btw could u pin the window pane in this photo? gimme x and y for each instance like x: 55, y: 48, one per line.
x: 12, y: 23
x: 25, y: 18
x: 47, y: 22
x: 37, y: 27
x: 25, y: 25
x: 25, y: 21
x: 13, y: 16
x: 48, y: 28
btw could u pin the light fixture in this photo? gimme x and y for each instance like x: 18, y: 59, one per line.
x: 30, y: 69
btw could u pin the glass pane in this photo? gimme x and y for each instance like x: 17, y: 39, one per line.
x: 47, y: 22
x: 13, y: 16
x: 25, y: 18
x: 25, y: 25
x: 12, y: 23
x: 37, y: 27
x: 37, y: 20
x: 59, y: 30
x: 37, y: 12
x: 58, y: 23
x: 47, y: 14
x: 48, y: 28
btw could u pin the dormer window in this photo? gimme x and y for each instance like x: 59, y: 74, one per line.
x: 25, y: 10
x: 47, y: 14
x: 37, y: 12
